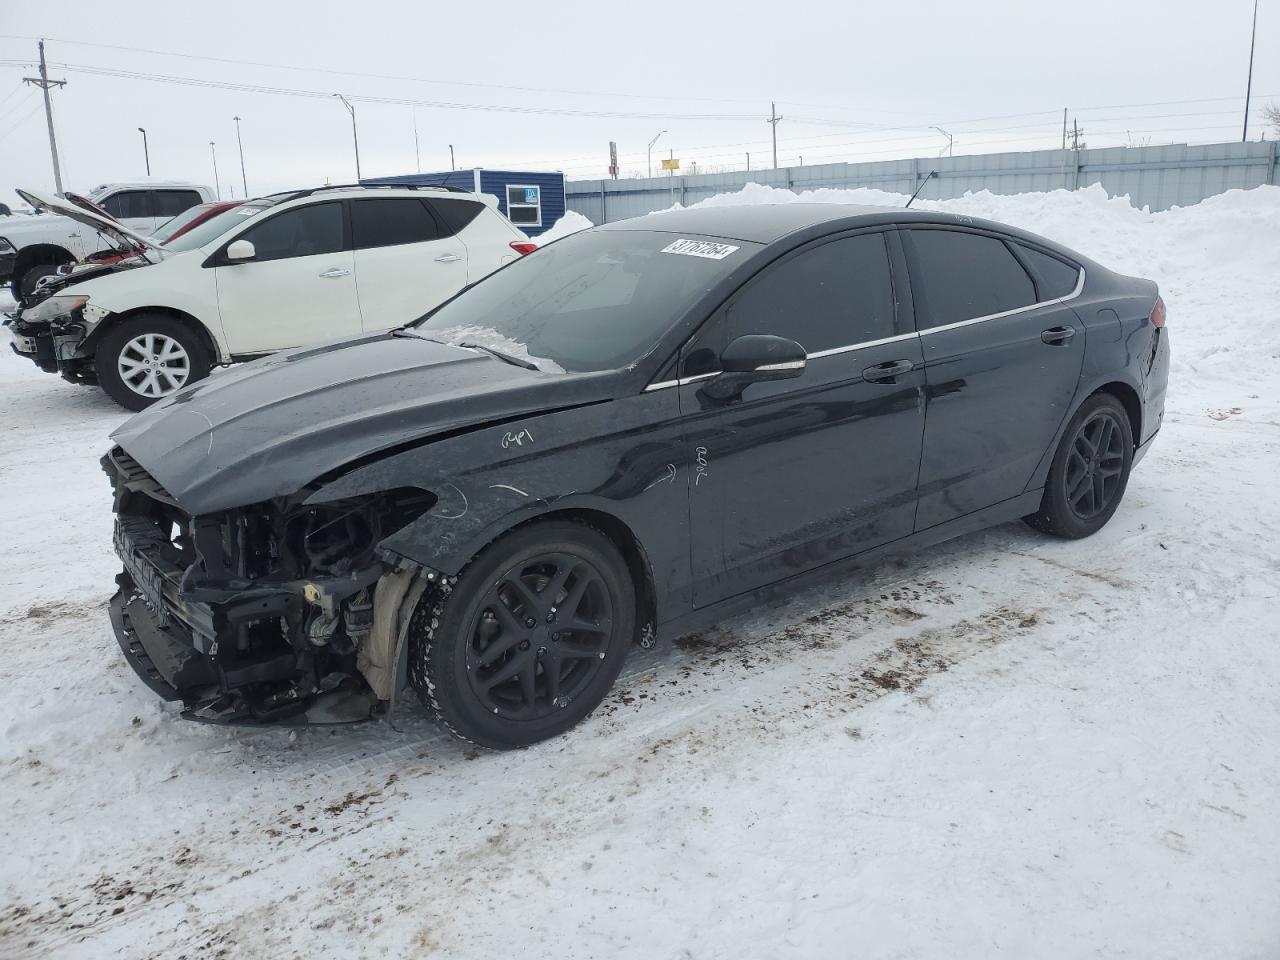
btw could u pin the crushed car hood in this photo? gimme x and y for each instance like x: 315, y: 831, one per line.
x: 268, y: 428
x: 81, y: 211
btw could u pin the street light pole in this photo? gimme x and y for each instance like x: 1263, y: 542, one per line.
x: 355, y: 137
x: 1248, y: 90
x: 244, y: 181
x: 217, y: 187
x: 145, y: 152
x: 651, y: 143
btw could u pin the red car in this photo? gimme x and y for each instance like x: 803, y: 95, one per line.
x: 174, y: 227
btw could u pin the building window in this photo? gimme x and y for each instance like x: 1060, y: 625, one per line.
x: 524, y: 205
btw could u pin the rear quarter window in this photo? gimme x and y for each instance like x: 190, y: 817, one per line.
x: 962, y: 276
x: 455, y: 215
x: 1054, y: 278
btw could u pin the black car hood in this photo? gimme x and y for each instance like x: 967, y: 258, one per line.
x: 270, y: 427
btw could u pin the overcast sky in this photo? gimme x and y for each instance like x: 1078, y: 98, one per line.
x: 853, y: 81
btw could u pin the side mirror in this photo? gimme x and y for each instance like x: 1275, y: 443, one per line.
x: 755, y: 358
x: 240, y: 250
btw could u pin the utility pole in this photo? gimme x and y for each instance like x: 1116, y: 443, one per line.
x: 748, y: 161
x: 355, y: 137
x: 217, y: 187
x: 44, y: 83
x: 950, y: 140
x: 1064, y: 128
x: 417, y: 158
x: 146, y: 154
x: 244, y: 181
x: 773, y: 122
x: 1075, y: 134
x: 1248, y: 90
x: 451, y: 164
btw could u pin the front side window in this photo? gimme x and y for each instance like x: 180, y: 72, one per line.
x: 300, y: 232
x: 129, y: 205
x: 832, y: 295
x: 390, y: 222
x: 596, y: 300
x: 963, y: 276
x: 170, y: 203
x: 524, y: 205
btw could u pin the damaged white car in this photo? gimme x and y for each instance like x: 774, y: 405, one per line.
x: 283, y: 271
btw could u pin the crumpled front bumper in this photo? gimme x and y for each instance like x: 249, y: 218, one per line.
x: 53, y: 347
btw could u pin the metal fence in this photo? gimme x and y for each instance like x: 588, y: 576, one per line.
x: 1153, y: 177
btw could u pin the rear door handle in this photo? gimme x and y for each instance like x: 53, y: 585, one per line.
x: 1058, y: 335
x: 883, y: 372
x: 334, y: 272
x: 448, y: 258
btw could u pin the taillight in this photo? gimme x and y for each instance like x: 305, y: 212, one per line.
x: 523, y: 247
x: 1157, y: 313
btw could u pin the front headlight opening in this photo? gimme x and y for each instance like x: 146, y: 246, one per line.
x: 54, y: 307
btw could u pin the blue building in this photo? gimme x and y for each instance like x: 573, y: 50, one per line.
x: 532, y: 201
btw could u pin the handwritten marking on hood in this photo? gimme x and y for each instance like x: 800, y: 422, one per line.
x: 507, y: 486
x: 517, y: 438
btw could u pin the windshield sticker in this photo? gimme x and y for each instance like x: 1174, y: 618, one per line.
x: 700, y: 248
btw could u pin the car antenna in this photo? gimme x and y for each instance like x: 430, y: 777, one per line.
x: 932, y: 174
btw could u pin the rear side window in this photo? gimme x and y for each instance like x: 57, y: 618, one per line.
x: 456, y: 215
x: 833, y: 295
x: 391, y: 222
x: 129, y: 204
x: 961, y: 276
x: 170, y: 203
x: 1054, y: 279
x: 300, y: 232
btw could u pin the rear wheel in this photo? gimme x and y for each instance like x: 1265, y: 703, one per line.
x: 147, y: 358
x: 1090, y: 471
x: 529, y: 639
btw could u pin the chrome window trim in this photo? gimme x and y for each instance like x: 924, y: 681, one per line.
x: 1009, y: 313
x: 833, y: 351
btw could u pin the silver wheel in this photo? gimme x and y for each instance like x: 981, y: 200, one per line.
x: 153, y: 365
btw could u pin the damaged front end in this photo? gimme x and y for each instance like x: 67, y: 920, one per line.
x: 275, y: 612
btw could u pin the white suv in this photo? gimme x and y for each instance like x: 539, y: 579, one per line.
x: 283, y: 271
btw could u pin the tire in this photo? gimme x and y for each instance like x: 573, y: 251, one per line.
x: 1090, y: 471
x: 24, y: 283
x: 475, y: 667
x: 175, y: 358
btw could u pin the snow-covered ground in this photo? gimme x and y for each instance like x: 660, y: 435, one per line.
x: 1007, y: 747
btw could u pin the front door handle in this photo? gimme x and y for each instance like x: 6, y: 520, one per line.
x: 334, y: 272
x: 448, y: 258
x: 1058, y: 335
x: 885, y: 372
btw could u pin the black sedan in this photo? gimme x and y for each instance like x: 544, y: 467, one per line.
x: 616, y: 440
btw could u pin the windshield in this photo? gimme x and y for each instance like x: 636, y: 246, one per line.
x: 215, y: 227
x: 596, y: 300
x: 171, y: 226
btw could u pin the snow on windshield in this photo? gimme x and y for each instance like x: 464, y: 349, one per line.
x: 488, y: 337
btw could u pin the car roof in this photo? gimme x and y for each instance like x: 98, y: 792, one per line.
x: 766, y: 222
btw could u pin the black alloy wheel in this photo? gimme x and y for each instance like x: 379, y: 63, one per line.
x: 1090, y: 470
x: 529, y: 639
x: 539, y: 636
x: 1095, y: 465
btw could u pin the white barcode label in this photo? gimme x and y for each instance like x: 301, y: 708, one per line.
x: 700, y: 248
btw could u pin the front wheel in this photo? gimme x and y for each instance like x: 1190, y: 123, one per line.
x: 1089, y: 472
x: 529, y: 639
x: 147, y: 358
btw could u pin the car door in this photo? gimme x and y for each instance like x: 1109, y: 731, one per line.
x: 1003, y: 352
x: 299, y: 288
x: 406, y: 263
x: 797, y: 473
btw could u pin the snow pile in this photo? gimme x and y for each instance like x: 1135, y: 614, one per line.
x: 571, y: 222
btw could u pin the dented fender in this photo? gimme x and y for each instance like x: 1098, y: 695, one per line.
x: 626, y: 459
